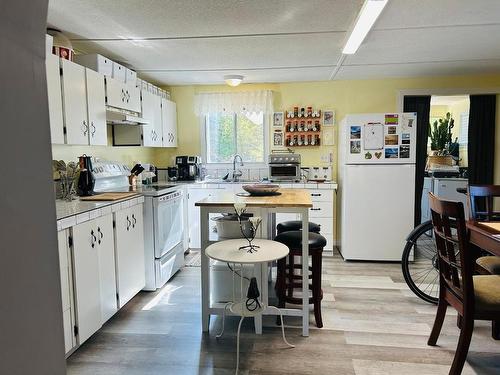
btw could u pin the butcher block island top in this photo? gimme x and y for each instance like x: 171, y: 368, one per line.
x: 287, y: 198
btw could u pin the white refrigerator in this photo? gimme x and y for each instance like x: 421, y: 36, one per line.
x: 377, y: 184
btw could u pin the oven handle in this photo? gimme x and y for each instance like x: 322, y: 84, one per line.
x: 283, y: 165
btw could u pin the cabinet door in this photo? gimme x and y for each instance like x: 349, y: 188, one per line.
x: 129, y: 244
x: 66, y: 289
x: 86, y: 279
x: 151, y: 111
x: 96, y: 107
x: 195, y: 195
x: 133, y: 97
x: 115, y: 93
x: 75, y: 103
x: 55, y: 99
x: 173, y: 123
x: 169, y: 123
x: 107, y: 275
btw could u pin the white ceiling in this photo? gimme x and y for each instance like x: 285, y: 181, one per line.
x: 198, y: 42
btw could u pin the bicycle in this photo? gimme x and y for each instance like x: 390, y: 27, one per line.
x: 419, y: 261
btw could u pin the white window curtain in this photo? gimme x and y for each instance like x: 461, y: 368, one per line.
x: 234, y: 102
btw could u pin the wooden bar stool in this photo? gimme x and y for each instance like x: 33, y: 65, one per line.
x: 287, y: 281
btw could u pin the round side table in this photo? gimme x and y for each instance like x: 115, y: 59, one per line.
x: 229, y: 252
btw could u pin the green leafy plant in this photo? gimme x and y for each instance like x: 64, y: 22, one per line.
x: 440, y: 134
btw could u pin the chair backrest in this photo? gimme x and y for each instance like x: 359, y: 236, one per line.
x: 481, y: 202
x: 454, y: 260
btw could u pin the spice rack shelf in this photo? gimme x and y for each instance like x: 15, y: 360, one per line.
x: 308, y: 121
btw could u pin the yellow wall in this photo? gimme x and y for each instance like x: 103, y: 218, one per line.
x: 356, y: 96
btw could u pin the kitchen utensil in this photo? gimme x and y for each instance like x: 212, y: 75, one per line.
x: 136, y: 167
x: 261, y: 189
x: 139, y: 170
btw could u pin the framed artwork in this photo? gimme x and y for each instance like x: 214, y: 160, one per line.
x: 329, y: 118
x: 278, y: 119
x: 278, y: 138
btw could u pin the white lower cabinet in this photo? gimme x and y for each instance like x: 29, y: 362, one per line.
x: 102, y: 268
x: 129, y: 242
x: 86, y: 279
x: 63, y: 240
x: 106, y: 258
x: 195, y: 195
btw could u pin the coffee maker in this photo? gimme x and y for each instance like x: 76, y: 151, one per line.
x: 188, y: 167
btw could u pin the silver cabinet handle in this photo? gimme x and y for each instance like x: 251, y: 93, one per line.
x: 85, y: 128
x: 93, y: 128
x: 93, y: 238
x: 134, y: 221
x: 128, y: 223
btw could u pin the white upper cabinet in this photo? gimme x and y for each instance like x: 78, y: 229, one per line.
x: 83, y: 96
x: 169, y: 123
x: 123, y: 95
x: 96, y: 106
x: 54, y: 99
x: 75, y: 103
x: 151, y: 111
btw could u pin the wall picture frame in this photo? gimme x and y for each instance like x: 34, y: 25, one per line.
x: 329, y: 117
x: 278, y: 138
x: 278, y: 119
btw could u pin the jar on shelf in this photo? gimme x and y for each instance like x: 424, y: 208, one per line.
x: 309, y: 125
x: 317, y: 140
x: 309, y: 111
x: 295, y: 111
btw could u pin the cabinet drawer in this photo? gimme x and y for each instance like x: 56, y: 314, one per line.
x: 321, y: 209
x: 326, y: 224
x: 321, y: 195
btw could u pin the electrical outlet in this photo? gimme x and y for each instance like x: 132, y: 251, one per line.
x: 327, y: 158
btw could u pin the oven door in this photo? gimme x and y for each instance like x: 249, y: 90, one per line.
x: 284, y: 172
x: 168, y: 222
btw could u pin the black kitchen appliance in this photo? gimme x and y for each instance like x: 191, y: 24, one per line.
x: 188, y: 167
x: 86, y: 180
x: 172, y: 173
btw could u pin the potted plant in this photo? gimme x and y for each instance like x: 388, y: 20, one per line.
x: 440, y: 135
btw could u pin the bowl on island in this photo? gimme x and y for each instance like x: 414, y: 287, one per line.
x: 261, y: 189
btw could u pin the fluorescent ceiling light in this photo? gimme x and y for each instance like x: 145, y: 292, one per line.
x: 367, y: 16
x: 233, y: 80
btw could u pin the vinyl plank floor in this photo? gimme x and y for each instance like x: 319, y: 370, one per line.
x: 373, y: 325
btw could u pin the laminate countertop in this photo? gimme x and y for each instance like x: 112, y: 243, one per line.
x: 75, y: 207
x: 288, y: 198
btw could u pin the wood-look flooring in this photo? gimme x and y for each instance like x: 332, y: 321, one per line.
x: 373, y: 325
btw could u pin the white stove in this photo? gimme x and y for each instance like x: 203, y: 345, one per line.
x: 164, y: 221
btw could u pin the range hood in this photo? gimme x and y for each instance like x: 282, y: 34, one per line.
x: 114, y: 117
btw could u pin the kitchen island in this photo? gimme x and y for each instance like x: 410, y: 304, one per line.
x: 289, y: 201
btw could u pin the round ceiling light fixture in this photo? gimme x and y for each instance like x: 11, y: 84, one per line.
x: 233, y: 79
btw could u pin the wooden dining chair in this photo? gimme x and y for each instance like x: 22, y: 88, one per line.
x: 474, y: 297
x: 481, y: 208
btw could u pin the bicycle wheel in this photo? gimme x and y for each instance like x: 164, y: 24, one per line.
x: 420, y: 264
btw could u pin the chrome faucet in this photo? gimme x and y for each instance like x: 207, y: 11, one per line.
x: 237, y: 173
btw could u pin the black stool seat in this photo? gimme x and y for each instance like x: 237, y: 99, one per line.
x: 293, y: 239
x: 287, y: 226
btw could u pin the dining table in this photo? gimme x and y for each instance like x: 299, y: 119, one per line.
x: 485, y: 235
x: 296, y: 201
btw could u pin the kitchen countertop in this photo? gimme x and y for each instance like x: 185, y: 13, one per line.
x: 66, y: 209
x: 288, y: 198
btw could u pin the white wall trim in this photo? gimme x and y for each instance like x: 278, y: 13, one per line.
x: 441, y: 91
